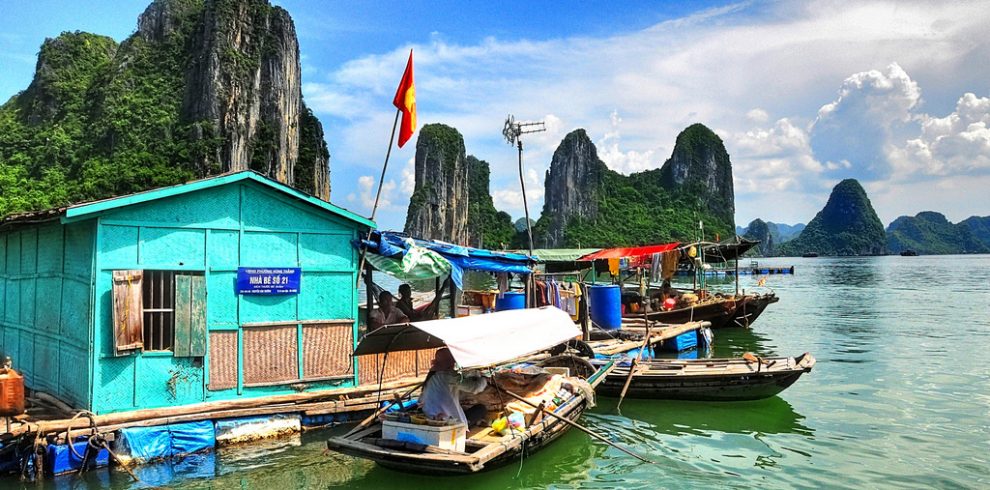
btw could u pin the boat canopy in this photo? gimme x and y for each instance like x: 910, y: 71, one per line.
x: 407, y: 257
x: 726, y: 250
x: 624, y: 252
x: 479, y: 340
x: 546, y: 255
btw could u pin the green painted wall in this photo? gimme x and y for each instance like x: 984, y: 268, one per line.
x: 214, y: 231
x: 46, y: 283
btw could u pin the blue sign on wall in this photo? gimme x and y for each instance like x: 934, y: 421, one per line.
x: 260, y: 280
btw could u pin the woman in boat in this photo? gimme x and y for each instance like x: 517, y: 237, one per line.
x: 442, y: 389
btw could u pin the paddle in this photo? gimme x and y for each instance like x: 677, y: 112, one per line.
x: 577, y: 425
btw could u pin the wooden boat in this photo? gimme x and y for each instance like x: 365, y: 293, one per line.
x: 500, y: 333
x: 909, y: 253
x: 750, y: 308
x: 809, y: 255
x: 735, y: 379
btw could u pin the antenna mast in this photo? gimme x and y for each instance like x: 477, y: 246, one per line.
x: 513, y: 132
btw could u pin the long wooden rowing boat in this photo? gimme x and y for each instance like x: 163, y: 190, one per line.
x: 734, y: 379
x: 484, y: 449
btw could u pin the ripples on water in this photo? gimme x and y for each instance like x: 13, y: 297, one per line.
x: 900, y: 397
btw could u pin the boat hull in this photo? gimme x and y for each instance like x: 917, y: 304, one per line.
x: 704, y: 386
x: 553, y: 431
x: 719, y: 314
x: 750, y: 309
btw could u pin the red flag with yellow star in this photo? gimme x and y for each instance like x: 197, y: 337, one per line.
x: 405, y: 101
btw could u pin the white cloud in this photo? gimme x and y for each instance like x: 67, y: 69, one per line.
x: 625, y: 162
x: 758, y: 116
x: 852, y: 132
x: 957, y: 143
x: 774, y: 159
x: 409, y: 177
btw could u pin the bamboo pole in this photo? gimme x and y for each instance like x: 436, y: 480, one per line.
x: 578, y: 426
x: 378, y: 195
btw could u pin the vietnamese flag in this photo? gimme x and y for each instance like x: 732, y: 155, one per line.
x: 405, y: 101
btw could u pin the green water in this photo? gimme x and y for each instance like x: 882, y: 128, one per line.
x: 900, y: 397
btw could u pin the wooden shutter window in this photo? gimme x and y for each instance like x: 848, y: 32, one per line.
x: 128, y: 316
x: 190, y: 315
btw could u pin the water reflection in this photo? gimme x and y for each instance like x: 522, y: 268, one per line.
x: 673, y: 417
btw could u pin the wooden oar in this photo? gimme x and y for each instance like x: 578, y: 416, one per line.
x: 632, y: 367
x: 380, y: 410
x: 579, y: 426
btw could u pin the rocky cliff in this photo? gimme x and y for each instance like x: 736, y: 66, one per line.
x: 587, y: 204
x: 847, y: 225
x: 570, y: 186
x: 700, y: 167
x: 438, y: 208
x: 931, y: 233
x: 201, y: 87
x: 766, y: 234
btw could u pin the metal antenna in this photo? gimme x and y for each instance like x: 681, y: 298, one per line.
x: 513, y: 132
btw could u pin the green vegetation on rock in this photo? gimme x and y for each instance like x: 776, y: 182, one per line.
x: 487, y: 227
x: 847, y: 225
x: 931, y: 233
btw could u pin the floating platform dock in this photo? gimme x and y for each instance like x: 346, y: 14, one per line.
x: 754, y: 271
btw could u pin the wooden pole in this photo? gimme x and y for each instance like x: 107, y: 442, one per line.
x: 453, y: 299
x: 585, y: 320
x: 579, y: 426
x: 632, y: 366
x: 378, y: 194
x: 371, y: 417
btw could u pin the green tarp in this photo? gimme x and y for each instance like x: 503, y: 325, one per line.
x: 417, y: 263
x: 562, y: 254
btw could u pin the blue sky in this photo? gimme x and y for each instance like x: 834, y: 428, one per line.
x: 896, y: 94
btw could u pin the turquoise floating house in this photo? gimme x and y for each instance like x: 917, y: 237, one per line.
x: 229, y: 287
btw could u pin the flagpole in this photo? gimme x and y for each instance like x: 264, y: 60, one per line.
x: 378, y: 195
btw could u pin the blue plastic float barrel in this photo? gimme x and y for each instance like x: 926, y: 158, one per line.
x: 510, y: 300
x: 606, y: 306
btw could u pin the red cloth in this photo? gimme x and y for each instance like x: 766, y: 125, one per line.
x: 618, y: 253
x: 405, y: 101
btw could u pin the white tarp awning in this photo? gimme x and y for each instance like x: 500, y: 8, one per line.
x: 479, y: 340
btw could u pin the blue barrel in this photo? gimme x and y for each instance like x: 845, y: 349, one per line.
x: 606, y: 306
x: 510, y: 301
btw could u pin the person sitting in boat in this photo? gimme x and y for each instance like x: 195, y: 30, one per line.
x: 669, y: 296
x: 386, y: 314
x: 441, y: 398
x: 405, y: 303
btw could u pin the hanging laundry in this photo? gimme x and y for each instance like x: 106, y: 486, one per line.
x: 502, y: 280
x: 655, y: 267
x: 613, y: 267
x: 669, y: 264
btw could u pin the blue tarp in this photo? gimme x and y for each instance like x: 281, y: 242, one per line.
x: 163, y: 441
x: 394, y: 245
